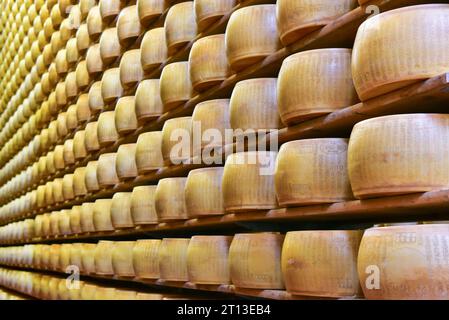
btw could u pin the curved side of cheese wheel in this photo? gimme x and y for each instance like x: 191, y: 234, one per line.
x: 209, y: 11
x: 170, y: 199
x: 143, y: 209
x: 180, y: 26
x: 149, y: 152
x: 146, y: 258
x: 173, y: 259
x: 121, y: 210
x: 103, y: 257
x: 122, y: 258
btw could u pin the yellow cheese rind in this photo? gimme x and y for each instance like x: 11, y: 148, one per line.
x: 207, y: 12
x: 173, y: 259
x: 170, y: 199
x: 122, y: 258
x: 143, y: 208
x: 146, y: 259
x: 180, y: 26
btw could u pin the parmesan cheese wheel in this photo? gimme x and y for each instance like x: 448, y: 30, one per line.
x: 176, y: 140
x: 110, y: 48
x: 102, y: 215
x: 94, y: 63
x: 94, y: 23
x: 82, y: 75
x: 69, y: 157
x: 148, y: 103
x: 128, y: 25
x: 255, y: 260
x: 121, y: 210
x: 106, y: 174
x: 180, y: 26
x: 71, y: 90
x: 64, y: 222
x: 82, y: 111
x: 169, y: 199
x: 175, y: 85
x: 104, y: 293
x: 64, y: 256
x: 96, y: 103
x: 58, y: 195
x: 91, y: 142
x: 54, y: 223
x: 299, y: 18
x: 321, y: 263
x: 86, y: 217
x: 103, y: 257
x: 79, y: 184
x: 111, y: 88
x: 125, y: 116
x: 71, y: 118
x: 122, y: 258
x: 131, y: 72
x: 148, y: 10
x: 109, y: 9
x: 49, y: 200
x: 251, y: 35
x: 213, y: 118
x: 248, y: 181
x: 312, y: 171
x: 173, y: 259
x: 82, y: 35
x: 61, y: 62
x: 146, y: 258
x: 72, y: 54
x: 79, y: 149
x: 207, y: 259
x: 208, y: 65
x: 67, y: 187
x: 126, y: 161
x: 143, y: 209
x: 149, y: 152
x: 59, y: 157
x: 50, y: 160
x: 203, y: 194
x: 54, y: 256
x: 381, y: 65
x: 404, y: 262
x: 153, y: 50
x: 399, y: 154
x: 253, y: 105
x: 46, y: 224
x: 75, y: 219
x: 207, y: 12
x: 106, y: 131
x: 75, y: 255
x: 325, y: 85
x: 91, y: 177
x: 85, y: 6
x: 88, y: 257
x: 88, y: 292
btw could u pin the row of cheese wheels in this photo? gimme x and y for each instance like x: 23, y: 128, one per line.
x: 6, y: 295
x: 385, y: 156
x: 394, y: 262
x: 49, y: 287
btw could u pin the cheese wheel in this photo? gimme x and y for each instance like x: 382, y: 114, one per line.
x: 88, y: 257
x: 59, y: 157
x: 85, y: 6
x: 128, y: 25
x: 404, y: 262
x: 148, y: 10
x: 54, y: 256
x: 109, y: 9
x: 75, y: 255
x: 399, y: 154
x: 104, y: 293
x: 125, y: 116
x: 64, y: 222
x: 255, y: 260
x: 82, y: 112
x: 176, y: 140
x: 173, y: 259
x: 148, y: 103
x: 111, y: 88
x: 58, y: 194
x: 106, y: 131
x: 180, y: 26
x: 102, y: 215
x: 72, y: 54
x: 64, y: 256
x: 207, y: 259
x: 50, y: 160
x: 213, y: 118
x: 79, y: 149
x: 94, y: 63
x: 296, y: 19
x: 71, y: 90
x: 67, y: 187
x: 325, y: 86
x: 321, y: 263
x: 103, y: 257
x: 207, y: 12
x: 122, y: 258
x: 91, y: 177
x: 175, y: 85
x: 126, y: 161
x: 71, y: 118
x: 131, y: 72
x: 312, y: 171
x: 91, y: 142
x: 88, y: 292
x: 69, y: 157
x: 146, y: 258
x: 208, y: 64
x: 248, y: 181
x: 106, y: 174
x: 149, y: 152
x: 253, y: 105
x: 169, y: 199
x: 96, y: 103
x: 46, y: 224
x: 83, y: 40
x: 143, y: 209
x: 153, y: 49
x: 86, y: 217
x: 49, y: 200
x: 110, y: 48
x: 203, y: 194
x: 378, y: 64
x: 121, y: 210
x: 79, y: 185
x: 75, y: 219
x: 61, y: 62
x: 54, y: 223
x: 251, y: 35
x: 82, y: 75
